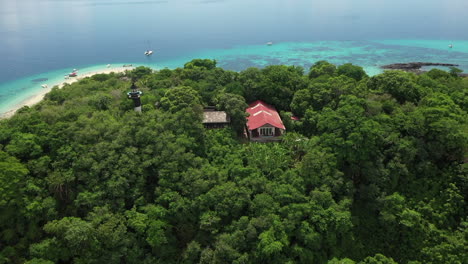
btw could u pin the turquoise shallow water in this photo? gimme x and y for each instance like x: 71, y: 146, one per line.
x: 368, y: 54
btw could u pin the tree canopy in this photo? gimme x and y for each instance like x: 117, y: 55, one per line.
x: 371, y: 170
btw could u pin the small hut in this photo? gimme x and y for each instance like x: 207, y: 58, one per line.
x: 215, y: 119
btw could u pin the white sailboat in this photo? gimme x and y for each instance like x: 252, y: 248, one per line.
x: 148, y: 52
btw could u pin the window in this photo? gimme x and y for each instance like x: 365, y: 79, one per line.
x: 266, y: 131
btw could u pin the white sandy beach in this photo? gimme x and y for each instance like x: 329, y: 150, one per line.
x: 40, y: 95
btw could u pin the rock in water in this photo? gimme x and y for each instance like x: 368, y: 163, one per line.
x: 414, y: 66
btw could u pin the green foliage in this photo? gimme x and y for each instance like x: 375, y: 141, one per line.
x: 378, y: 259
x: 352, y: 71
x: 39, y: 261
x: 12, y: 184
x: 322, y: 68
x: 21, y: 208
x: 301, y: 101
x: 101, y: 102
x: 374, y: 171
x: 399, y: 84
x: 235, y: 106
x: 341, y: 261
x: 138, y: 73
x: 274, y: 84
x: 455, y: 71
x: 200, y: 63
x: 179, y: 98
x: 438, y: 74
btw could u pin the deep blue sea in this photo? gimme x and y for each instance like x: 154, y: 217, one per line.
x: 44, y: 39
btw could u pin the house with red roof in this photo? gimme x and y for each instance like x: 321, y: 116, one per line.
x: 263, y: 122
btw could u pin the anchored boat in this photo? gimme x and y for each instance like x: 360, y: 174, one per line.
x: 148, y: 52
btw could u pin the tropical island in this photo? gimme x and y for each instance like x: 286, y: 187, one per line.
x: 363, y: 169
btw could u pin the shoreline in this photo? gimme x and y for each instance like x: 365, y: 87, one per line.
x: 39, y: 96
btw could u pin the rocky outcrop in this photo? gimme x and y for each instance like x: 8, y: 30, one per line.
x: 414, y: 66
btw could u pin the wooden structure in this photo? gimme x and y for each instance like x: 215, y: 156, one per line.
x: 215, y: 119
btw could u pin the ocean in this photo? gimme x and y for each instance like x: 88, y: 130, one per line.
x: 42, y: 40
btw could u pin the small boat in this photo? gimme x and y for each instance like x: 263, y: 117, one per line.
x: 451, y: 46
x: 127, y: 65
x: 148, y: 51
x: 44, y: 86
x: 108, y: 65
x: 269, y: 43
x: 75, y: 70
x: 72, y: 74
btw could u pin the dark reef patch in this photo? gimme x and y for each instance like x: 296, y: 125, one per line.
x: 39, y: 80
x: 412, y: 66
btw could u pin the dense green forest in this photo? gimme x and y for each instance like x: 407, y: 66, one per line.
x: 374, y: 170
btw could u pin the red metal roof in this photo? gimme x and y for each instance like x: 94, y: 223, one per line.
x: 262, y: 114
